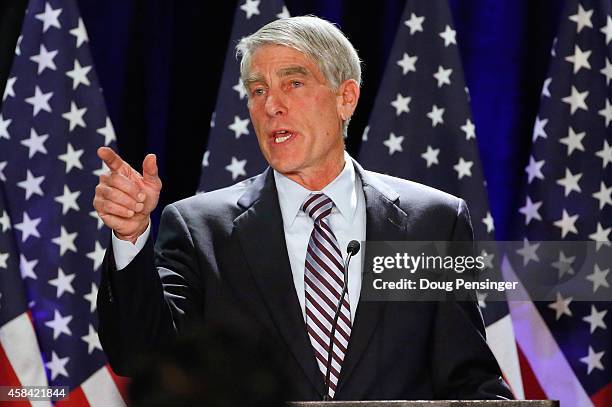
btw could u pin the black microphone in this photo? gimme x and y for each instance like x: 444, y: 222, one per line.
x: 351, y: 249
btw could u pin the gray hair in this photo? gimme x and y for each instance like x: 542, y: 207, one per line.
x: 318, y: 39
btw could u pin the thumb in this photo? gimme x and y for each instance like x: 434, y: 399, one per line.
x: 149, y: 169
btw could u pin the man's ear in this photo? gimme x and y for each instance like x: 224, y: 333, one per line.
x: 347, y: 97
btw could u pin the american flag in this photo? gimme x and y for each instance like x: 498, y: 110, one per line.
x: 52, y: 243
x: 567, y: 343
x: 233, y: 153
x: 421, y: 129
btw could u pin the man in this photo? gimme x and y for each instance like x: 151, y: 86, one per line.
x: 265, y: 255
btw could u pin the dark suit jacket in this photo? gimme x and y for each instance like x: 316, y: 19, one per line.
x: 222, y: 256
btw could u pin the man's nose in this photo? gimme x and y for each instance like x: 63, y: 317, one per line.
x: 275, y: 103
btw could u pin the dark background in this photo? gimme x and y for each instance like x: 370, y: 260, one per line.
x: 160, y: 64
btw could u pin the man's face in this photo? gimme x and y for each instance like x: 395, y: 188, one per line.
x: 295, y: 113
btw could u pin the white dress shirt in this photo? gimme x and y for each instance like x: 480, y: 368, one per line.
x: 347, y: 221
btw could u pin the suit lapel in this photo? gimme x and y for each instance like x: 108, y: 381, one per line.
x: 385, y: 221
x: 261, y: 235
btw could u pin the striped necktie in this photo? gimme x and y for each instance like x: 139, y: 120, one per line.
x: 323, y: 282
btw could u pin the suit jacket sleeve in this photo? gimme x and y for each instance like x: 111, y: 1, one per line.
x: 463, y: 364
x: 141, y: 307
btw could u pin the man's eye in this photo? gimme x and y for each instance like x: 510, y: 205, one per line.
x: 296, y: 84
x: 258, y: 91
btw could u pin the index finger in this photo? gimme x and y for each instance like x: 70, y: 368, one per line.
x: 110, y: 158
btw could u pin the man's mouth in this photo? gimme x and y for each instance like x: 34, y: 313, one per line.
x: 280, y: 136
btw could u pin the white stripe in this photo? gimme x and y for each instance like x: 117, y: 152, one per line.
x: 547, y: 361
x: 337, y: 286
x: 323, y: 353
x: 500, y: 336
x: 329, y: 311
x: 312, y: 280
x: 18, y: 340
x: 101, y: 390
x: 325, y: 335
x: 333, y: 250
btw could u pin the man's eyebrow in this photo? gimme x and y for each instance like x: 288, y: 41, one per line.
x: 253, y: 78
x: 292, y: 70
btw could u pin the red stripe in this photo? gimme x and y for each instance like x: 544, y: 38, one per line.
x: 8, y: 377
x: 309, y: 202
x: 76, y: 398
x: 327, y: 234
x: 327, y: 316
x: 324, y: 266
x: 603, y: 398
x: 320, y: 357
x: 330, y: 256
x: 313, y: 317
x: 531, y: 385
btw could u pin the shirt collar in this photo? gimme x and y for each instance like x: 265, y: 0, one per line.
x: 342, y: 191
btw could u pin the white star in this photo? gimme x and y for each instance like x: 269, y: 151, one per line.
x: 561, y: 306
x: 401, y: 104
x: 284, y: 13
x: 102, y: 170
x: 57, y: 365
x: 75, y: 116
x: 579, y: 59
x: 79, y: 75
x: 5, y: 222
x: 250, y: 7
x: 604, y: 195
x: 28, y: 227
x: 415, y: 23
x: 40, y: 101
x: 469, y: 129
x: 32, y: 185
x: 607, y: 71
x: 595, y: 320
x: 35, y: 144
x: 582, y: 19
x: 463, y: 168
x: 3, y: 258
x: 570, y: 182
x: 80, y: 33
x: 94, y: 215
x: 601, y: 235
x: 487, y: 259
x: 607, y: 30
x: 443, y: 76
x: 534, y: 169
x: 482, y: 298
x: 431, y: 156
x: 65, y: 241
x: 546, y: 87
x: 9, y: 90
x: 605, y: 154
x: 63, y: 283
x: 68, y: 200
x: 18, y: 46
x: 530, y: 210
x: 59, y: 324
x: 26, y: 267
x: 236, y: 167
x: 239, y: 127
x: 50, y: 17
x: 573, y: 141
x: 488, y: 221
x: 205, y: 158
x: 576, y: 100
x: 407, y: 63
x: 593, y: 360
x: 564, y: 264
x: 364, y: 136
x: 92, y: 340
x: 394, y: 143
x: 92, y: 297
x: 4, y: 123
x: 436, y: 116
x: 2, y: 166
x: 97, y: 255
x: 607, y: 113
x: 72, y: 158
x: 239, y: 87
x: 44, y: 59
x: 599, y: 278
x: 212, y: 119
x: 108, y: 132
x: 567, y: 224
x: 449, y: 36
x: 539, y: 129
